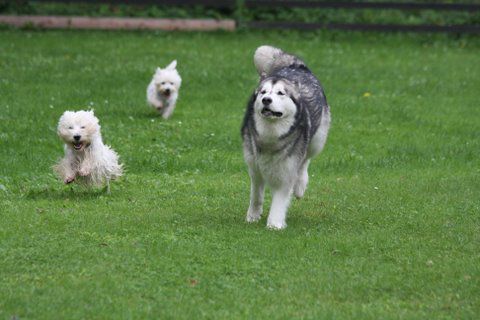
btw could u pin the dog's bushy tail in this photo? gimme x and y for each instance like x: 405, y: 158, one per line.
x: 267, y: 59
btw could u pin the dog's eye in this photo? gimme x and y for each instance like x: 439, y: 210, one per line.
x: 280, y: 93
x: 263, y: 91
x: 70, y: 128
x: 162, y: 83
x: 171, y: 83
x: 82, y: 127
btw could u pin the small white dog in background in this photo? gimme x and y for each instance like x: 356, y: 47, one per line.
x: 87, y: 160
x: 162, y: 92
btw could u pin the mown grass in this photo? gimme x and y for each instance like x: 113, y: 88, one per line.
x: 389, y: 227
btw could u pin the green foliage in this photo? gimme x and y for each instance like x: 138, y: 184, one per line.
x: 374, y: 16
x: 116, y: 10
x: 388, y: 229
x: 242, y: 14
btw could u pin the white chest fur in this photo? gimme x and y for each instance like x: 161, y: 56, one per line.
x: 275, y: 168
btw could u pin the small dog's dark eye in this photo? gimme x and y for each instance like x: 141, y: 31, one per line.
x: 83, y: 127
x: 162, y: 83
x: 280, y: 93
x: 70, y: 127
x: 171, y: 83
x: 263, y: 91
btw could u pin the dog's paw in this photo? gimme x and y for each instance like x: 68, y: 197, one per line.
x: 276, y: 225
x: 84, y: 172
x: 299, y: 189
x: 254, y: 214
x: 69, y: 180
x: 300, y: 186
x: 253, y: 217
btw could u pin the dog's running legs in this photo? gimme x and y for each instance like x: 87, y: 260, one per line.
x: 257, y: 191
x: 278, y: 210
x: 108, y: 186
x: 65, y: 170
x: 167, y: 112
x: 302, y: 180
x: 69, y: 175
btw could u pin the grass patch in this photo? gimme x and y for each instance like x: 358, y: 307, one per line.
x: 389, y: 227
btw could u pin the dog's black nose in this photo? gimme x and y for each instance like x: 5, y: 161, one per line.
x: 77, y: 137
x: 167, y: 91
x: 267, y: 101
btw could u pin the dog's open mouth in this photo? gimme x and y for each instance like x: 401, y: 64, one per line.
x: 267, y: 112
x: 77, y: 145
x: 165, y: 94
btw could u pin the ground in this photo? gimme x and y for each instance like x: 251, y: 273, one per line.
x: 388, y: 228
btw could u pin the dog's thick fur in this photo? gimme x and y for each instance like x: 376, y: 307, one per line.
x: 162, y: 92
x: 286, y: 124
x: 87, y: 160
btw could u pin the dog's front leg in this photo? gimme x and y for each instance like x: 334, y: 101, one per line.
x: 66, y: 170
x: 69, y: 175
x: 85, y: 169
x: 302, y: 180
x: 278, y: 210
x: 257, y: 191
x: 167, y: 112
x: 158, y: 105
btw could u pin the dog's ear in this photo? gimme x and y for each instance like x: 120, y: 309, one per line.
x: 67, y: 114
x: 92, y: 113
x: 172, y: 65
x: 158, y: 70
x: 293, y: 89
x: 64, y: 116
x: 263, y: 76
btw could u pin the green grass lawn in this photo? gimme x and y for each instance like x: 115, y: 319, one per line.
x: 389, y: 227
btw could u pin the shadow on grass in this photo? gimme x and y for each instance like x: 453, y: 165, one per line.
x: 69, y: 193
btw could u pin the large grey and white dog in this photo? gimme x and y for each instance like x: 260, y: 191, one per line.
x: 286, y: 123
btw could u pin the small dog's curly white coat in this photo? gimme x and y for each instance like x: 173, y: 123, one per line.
x: 87, y: 160
x: 162, y: 92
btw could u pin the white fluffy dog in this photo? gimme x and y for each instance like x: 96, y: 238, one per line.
x: 87, y: 160
x: 162, y: 92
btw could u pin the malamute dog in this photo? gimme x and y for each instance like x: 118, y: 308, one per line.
x: 286, y: 124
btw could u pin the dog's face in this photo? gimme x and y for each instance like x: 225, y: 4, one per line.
x: 77, y: 129
x: 167, y: 81
x: 275, y: 99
